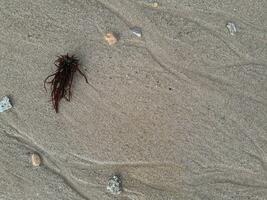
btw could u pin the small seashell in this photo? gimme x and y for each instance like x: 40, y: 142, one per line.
x: 155, y: 4
x: 114, y: 185
x: 151, y: 3
x: 231, y: 28
x: 36, y: 160
x: 111, y: 38
x: 5, y: 104
x: 136, y: 31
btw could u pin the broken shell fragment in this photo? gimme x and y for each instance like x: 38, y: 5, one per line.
x: 231, y: 28
x: 111, y: 38
x: 137, y: 31
x: 114, y: 185
x: 36, y: 159
x: 155, y: 4
x: 5, y: 104
x: 152, y: 3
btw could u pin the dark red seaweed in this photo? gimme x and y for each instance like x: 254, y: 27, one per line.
x: 61, y: 80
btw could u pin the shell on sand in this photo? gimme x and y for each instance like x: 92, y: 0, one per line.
x: 36, y: 160
x: 111, y: 38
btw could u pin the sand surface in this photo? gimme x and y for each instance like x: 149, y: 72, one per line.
x: 179, y: 113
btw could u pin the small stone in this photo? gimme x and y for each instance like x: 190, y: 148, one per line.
x: 111, y: 38
x: 114, y: 185
x: 36, y: 160
x: 5, y: 104
x: 136, y: 31
x: 231, y: 28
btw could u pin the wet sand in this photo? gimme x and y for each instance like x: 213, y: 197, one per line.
x: 179, y: 113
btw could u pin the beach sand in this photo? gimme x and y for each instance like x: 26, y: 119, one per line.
x: 178, y: 113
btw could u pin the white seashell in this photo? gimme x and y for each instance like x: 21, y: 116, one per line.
x: 231, y: 28
x: 36, y: 160
x: 114, y: 185
x: 136, y: 31
x: 5, y: 104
